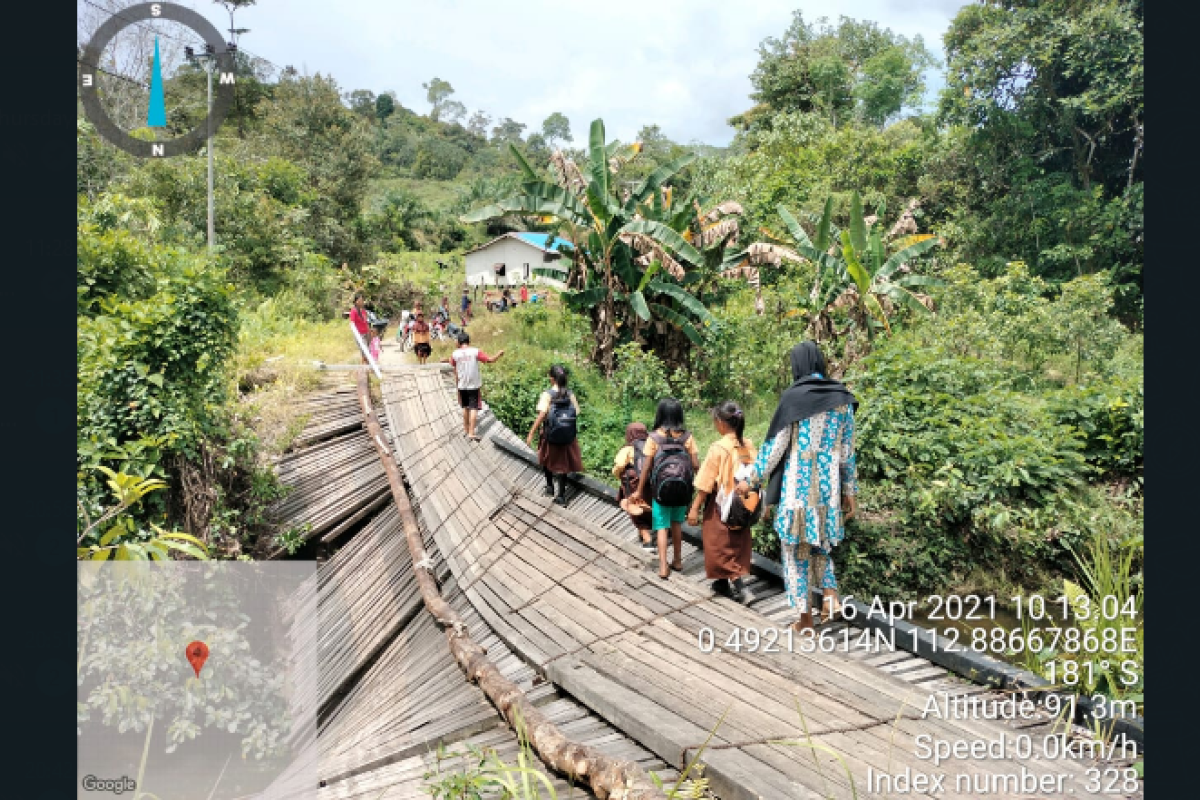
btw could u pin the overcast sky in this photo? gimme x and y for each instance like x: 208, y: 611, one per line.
x: 683, y: 64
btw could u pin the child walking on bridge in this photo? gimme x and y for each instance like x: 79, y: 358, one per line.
x: 671, y: 463
x: 466, y: 360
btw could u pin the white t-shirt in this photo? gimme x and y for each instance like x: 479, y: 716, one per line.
x: 545, y: 397
x: 466, y: 361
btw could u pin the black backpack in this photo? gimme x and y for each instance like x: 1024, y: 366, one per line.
x: 560, y: 419
x: 633, y: 472
x: 672, y: 474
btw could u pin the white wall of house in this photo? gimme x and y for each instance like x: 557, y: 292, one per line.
x: 520, y: 259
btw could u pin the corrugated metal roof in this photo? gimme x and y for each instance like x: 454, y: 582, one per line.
x: 539, y: 239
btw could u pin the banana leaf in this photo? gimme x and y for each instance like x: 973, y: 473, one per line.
x: 823, y: 232
x: 585, y: 299
x: 597, y: 165
x: 526, y: 170
x: 667, y: 238
x: 871, y: 302
x: 656, y: 179
x: 684, y: 298
x: 651, y: 271
x: 794, y: 228
x: 855, y: 269
x: 623, y: 265
x: 876, y: 251
x: 902, y: 296
x: 638, y: 303
x: 907, y: 254
x: 919, y: 280
x: 858, y: 227
x: 679, y: 321
x: 559, y: 205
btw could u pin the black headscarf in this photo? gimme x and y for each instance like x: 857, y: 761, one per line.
x: 806, y: 397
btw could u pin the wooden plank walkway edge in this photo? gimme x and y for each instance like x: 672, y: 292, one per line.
x: 979, y: 668
x: 608, y: 777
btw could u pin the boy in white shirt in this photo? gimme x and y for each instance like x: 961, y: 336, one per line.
x: 466, y: 360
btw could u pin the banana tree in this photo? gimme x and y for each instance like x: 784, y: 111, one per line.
x: 608, y: 235
x: 856, y: 273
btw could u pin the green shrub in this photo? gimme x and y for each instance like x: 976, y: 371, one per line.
x: 1111, y: 418
x: 154, y: 332
x: 531, y: 315
x: 640, y: 374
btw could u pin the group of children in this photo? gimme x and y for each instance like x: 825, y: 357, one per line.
x: 805, y: 470
x: 663, y: 480
x: 663, y: 464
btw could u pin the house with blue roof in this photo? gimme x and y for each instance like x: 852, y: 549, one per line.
x: 510, y: 260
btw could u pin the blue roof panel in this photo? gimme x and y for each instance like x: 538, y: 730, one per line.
x: 539, y: 240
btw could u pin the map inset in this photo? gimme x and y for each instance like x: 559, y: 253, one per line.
x: 192, y: 683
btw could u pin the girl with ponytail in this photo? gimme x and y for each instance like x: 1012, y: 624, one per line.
x: 727, y: 551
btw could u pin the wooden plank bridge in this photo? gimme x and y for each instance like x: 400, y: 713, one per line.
x: 573, y: 612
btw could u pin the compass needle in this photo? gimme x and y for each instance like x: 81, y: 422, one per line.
x: 156, y: 115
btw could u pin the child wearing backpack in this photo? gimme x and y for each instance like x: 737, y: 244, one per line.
x: 729, y: 517
x: 671, y: 463
x: 558, y: 448
x: 627, y: 467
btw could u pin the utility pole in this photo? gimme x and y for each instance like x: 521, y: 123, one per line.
x: 208, y: 60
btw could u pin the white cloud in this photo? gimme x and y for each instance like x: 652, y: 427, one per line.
x: 683, y: 64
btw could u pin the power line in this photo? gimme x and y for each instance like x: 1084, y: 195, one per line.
x: 125, y: 78
x: 119, y: 15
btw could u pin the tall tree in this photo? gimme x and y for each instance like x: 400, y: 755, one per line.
x: 556, y: 128
x: 1050, y: 100
x: 437, y: 93
x: 854, y: 70
x: 385, y: 106
x: 479, y: 122
x: 452, y: 111
x: 507, y: 130
x: 309, y: 124
x: 654, y: 142
x: 362, y: 102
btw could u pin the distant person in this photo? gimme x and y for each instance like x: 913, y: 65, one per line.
x: 466, y: 360
x: 671, y: 463
x: 358, y: 316
x: 464, y: 307
x: 535, y: 297
x: 627, y: 468
x: 524, y: 294
x: 421, y: 333
x: 809, y: 463
x: 558, y: 444
x: 444, y: 308
x: 727, y: 552
x: 376, y: 347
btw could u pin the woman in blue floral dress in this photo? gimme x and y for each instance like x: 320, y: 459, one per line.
x: 808, y: 459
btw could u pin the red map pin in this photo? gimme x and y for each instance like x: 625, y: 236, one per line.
x: 197, y: 654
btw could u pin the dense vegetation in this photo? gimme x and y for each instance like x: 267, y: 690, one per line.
x: 987, y: 310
